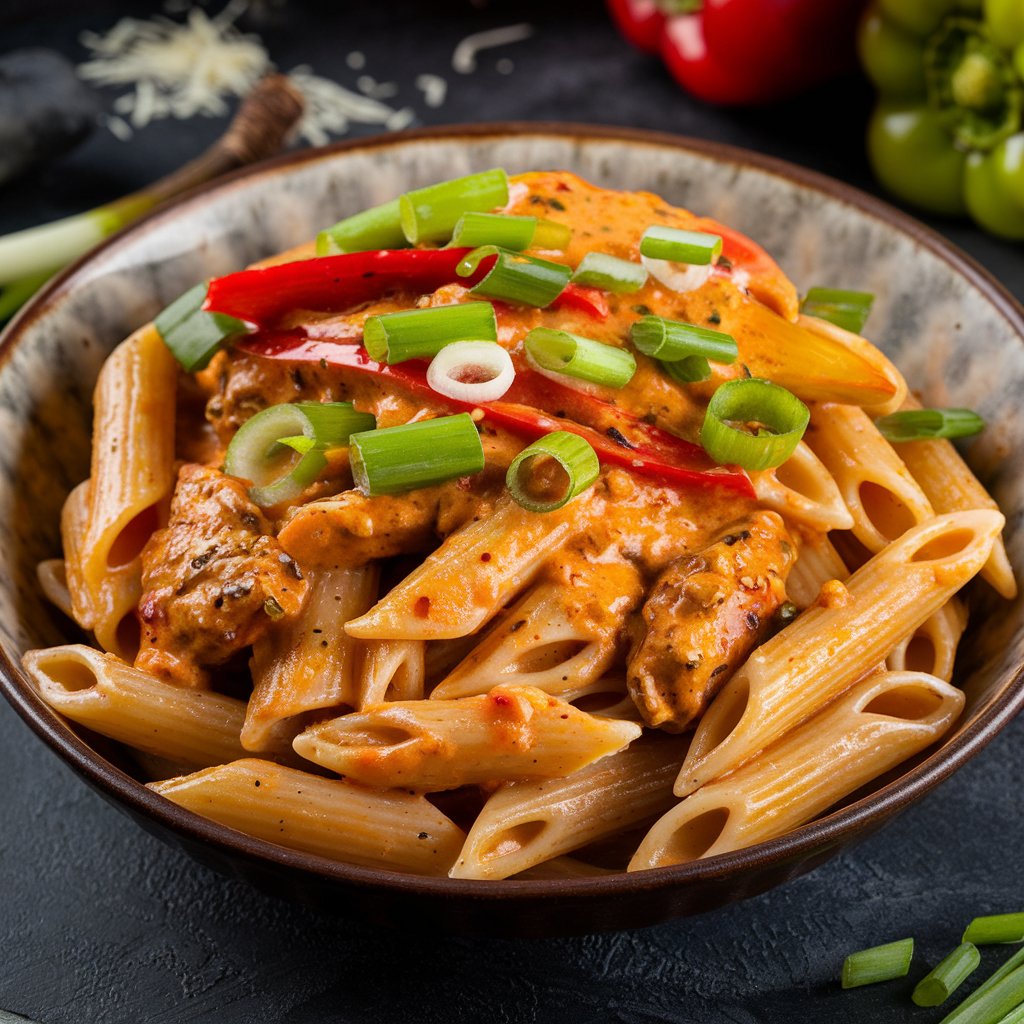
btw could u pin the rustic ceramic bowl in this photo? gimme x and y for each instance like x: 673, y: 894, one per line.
x: 951, y: 328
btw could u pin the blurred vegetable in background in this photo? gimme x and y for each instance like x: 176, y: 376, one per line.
x: 947, y: 134
x: 744, y: 51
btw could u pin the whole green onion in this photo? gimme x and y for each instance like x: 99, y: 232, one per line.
x: 422, y: 333
x: 845, y: 309
x: 983, y: 931
x: 943, y: 980
x: 1015, y: 1016
x: 280, y: 450
x: 526, y: 280
x: 192, y: 334
x: 696, y: 247
x: 579, y: 466
x: 1013, y: 965
x: 990, y: 1003
x: 880, y: 963
x: 781, y: 418
x: 928, y: 424
x: 430, y: 214
x: 599, y: 270
x: 380, y: 227
x: 420, y: 454
x: 578, y: 357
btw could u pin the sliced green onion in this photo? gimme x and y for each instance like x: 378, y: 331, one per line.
x: 420, y: 454
x: 696, y: 247
x: 845, y: 309
x: 536, y: 488
x: 471, y: 371
x: 380, y: 227
x: 781, y: 420
x: 192, y: 334
x: 514, y: 277
x: 669, y: 340
x: 580, y: 358
x: 690, y: 370
x: 430, y: 214
x: 280, y: 450
x: 961, y: 1014
x: 551, y: 235
x: 422, y: 333
x: 992, y: 1001
x: 984, y: 931
x: 473, y: 229
x: 599, y: 270
x: 942, y: 981
x: 880, y: 963
x: 928, y: 424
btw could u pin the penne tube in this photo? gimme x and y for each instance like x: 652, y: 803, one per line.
x: 513, y: 732
x: 816, y: 563
x: 803, y: 492
x: 874, y: 726
x: 308, y: 663
x: 882, y: 496
x: 464, y: 583
x: 53, y: 581
x: 932, y: 646
x: 952, y: 487
x: 331, y: 818
x: 526, y: 824
x: 194, y: 727
x: 837, y: 641
x: 392, y: 670
x: 607, y: 697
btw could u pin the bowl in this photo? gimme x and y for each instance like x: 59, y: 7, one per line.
x: 946, y: 323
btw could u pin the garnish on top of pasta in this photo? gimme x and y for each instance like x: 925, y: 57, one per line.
x: 544, y: 531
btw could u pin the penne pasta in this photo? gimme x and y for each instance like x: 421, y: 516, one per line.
x: 99, y: 691
x: 803, y: 492
x: 513, y: 732
x: 831, y: 645
x: 932, y: 646
x: 308, y: 663
x: 53, y: 581
x: 874, y: 726
x: 882, y: 496
x: 525, y: 824
x: 607, y: 697
x: 817, y: 562
x: 392, y: 670
x: 327, y: 817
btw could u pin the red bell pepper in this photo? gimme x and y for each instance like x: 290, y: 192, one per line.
x: 532, y: 407
x: 744, y: 51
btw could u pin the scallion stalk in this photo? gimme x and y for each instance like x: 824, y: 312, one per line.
x: 430, y: 214
x: 846, y: 309
x: 1014, y: 965
x: 944, y: 979
x: 380, y: 227
x: 779, y: 419
x: 471, y: 371
x: 422, y: 333
x: 552, y: 471
x: 551, y: 235
x: 880, y: 963
x: 17, y: 293
x: 581, y: 358
x: 983, y: 931
x: 599, y: 270
x: 515, y: 277
x: 399, y: 459
x: 192, y: 334
x: 991, y: 1002
x: 695, y: 247
x: 928, y: 424
x: 683, y: 349
x: 475, y: 229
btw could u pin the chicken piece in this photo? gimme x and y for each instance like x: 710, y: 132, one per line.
x: 213, y: 579
x: 703, y: 616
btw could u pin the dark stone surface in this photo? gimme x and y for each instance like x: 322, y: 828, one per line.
x: 101, y: 923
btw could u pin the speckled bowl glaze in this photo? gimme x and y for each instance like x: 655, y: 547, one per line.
x: 957, y: 335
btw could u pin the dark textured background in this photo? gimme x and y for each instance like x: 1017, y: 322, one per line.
x: 101, y: 923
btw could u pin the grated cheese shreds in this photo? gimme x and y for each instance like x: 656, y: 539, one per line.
x: 464, y: 54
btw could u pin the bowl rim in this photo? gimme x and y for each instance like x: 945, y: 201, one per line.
x: 840, y: 826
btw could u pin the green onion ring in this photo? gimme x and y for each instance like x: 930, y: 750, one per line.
x: 571, y: 452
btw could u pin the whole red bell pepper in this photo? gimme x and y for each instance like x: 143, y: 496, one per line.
x: 744, y: 51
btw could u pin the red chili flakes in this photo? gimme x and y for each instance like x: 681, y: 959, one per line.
x: 421, y: 609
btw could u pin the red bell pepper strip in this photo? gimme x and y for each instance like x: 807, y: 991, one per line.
x: 744, y: 51
x: 532, y: 407
x: 591, y: 301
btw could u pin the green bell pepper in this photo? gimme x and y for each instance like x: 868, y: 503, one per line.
x: 948, y: 131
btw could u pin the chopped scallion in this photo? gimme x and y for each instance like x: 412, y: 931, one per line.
x: 380, y: 227
x: 942, y: 981
x: 422, y: 333
x: 683, y: 349
x: 983, y: 931
x: 430, y: 214
x: 779, y: 419
x: 599, y: 270
x: 581, y: 358
x: 961, y: 1015
x: 474, y: 229
x: 992, y: 1001
x: 880, y: 963
x: 845, y: 309
x: 517, y: 278
x: 471, y: 371
x: 928, y: 424
x: 399, y: 459
x: 664, y: 243
x: 552, y: 471
x: 191, y: 333
x: 551, y: 235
